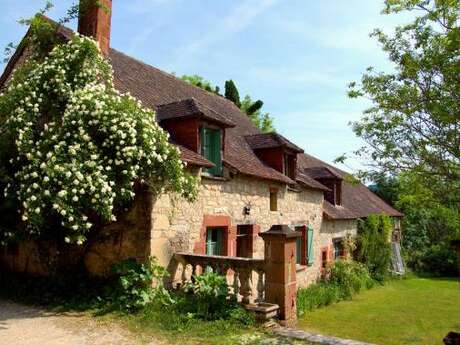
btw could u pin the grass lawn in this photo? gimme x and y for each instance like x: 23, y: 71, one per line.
x: 152, y: 322
x: 408, y: 311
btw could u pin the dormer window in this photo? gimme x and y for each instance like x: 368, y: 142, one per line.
x: 198, y: 128
x: 211, y: 148
x: 276, y: 151
x: 289, y: 165
x: 331, y: 179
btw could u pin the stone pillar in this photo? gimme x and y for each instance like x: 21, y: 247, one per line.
x: 280, y: 271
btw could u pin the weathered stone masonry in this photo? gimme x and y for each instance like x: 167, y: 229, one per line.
x: 177, y: 226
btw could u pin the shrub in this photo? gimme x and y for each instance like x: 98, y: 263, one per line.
x: 207, y: 297
x: 438, y: 260
x: 316, y: 296
x: 344, y: 279
x: 137, y: 285
x: 350, y: 276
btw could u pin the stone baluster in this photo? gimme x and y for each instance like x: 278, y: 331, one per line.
x: 236, y: 284
x: 246, y: 290
x: 260, y: 286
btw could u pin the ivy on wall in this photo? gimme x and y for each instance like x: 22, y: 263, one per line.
x: 72, y: 148
x: 373, y: 244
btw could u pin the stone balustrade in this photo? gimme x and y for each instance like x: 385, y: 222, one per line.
x: 263, y: 285
x: 245, y: 276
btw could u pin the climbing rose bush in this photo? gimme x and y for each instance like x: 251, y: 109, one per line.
x: 76, y: 147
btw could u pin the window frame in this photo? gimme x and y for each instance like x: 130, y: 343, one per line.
x: 219, y: 241
x: 338, y: 249
x: 289, y: 165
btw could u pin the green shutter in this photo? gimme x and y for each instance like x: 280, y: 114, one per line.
x: 218, y: 246
x: 310, y: 245
x: 217, y: 151
x: 211, y: 148
x: 298, y: 250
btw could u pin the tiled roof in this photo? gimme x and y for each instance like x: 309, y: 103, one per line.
x: 190, y: 107
x: 309, y: 182
x: 321, y: 172
x: 270, y: 140
x: 337, y: 212
x: 357, y: 200
x: 193, y: 158
x: 155, y: 88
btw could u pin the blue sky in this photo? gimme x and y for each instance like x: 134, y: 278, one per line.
x: 296, y: 55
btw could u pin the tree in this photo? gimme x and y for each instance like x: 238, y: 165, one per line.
x: 253, y: 109
x: 231, y: 93
x: 200, y: 82
x: 428, y: 225
x: 413, y: 123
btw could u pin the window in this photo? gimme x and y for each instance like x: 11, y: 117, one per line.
x: 324, y: 258
x: 214, y: 241
x: 300, y: 247
x: 273, y: 199
x: 338, y: 249
x: 244, y: 241
x: 304, y: 245
x: 289, y: 165
x: 211, y: 148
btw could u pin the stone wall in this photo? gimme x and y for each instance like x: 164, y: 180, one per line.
x: 179, y: 226
x: 129, y: 237
x: 332, y: 229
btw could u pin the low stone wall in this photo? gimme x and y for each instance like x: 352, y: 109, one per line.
x: 129, y: 237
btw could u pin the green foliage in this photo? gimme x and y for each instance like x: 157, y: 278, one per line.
x: 412, y: 124
x: 231, y: 93
x: 374, y: 248
x: 428, y: 227
x: 430, y: 222
x: 72, y: 147
x: 316, y: 296
x: 138, y: 285
x: 351, y: 277
x: 179, y: 327
x: 200, y: 82
x: 253, y: 109
x: 342, y: 280
x: 207, y: 297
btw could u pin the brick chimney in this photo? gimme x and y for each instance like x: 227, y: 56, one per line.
x: 95, y: 21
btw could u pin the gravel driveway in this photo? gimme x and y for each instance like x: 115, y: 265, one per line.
x: 23, y: 325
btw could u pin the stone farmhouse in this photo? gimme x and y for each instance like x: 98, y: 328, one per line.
x: 249, y: 181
